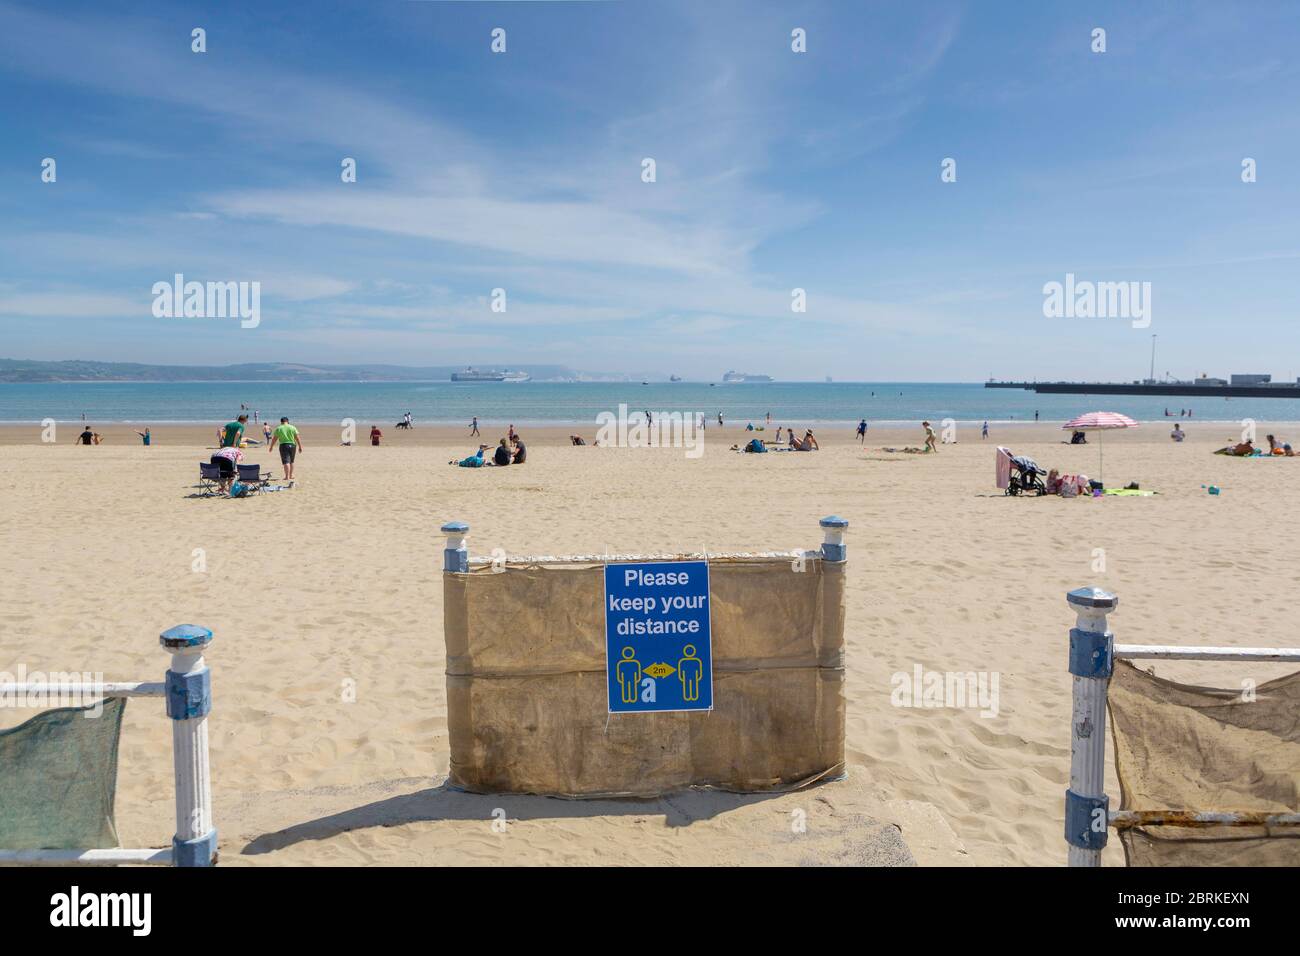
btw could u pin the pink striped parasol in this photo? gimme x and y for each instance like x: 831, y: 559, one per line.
x: 1098, y: 422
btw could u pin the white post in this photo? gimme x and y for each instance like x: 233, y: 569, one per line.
x: 1091, y: 661
x: 455, y: 555
x: 189, y: 700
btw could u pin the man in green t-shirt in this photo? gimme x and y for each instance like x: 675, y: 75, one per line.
x: 234, y: 432
x: 290, y: 445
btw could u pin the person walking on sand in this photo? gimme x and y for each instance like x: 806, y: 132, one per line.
x: 375, y: 435
x: 862, y: 432
x: 473, y: 427
x: 1035, y: 414
x: 290, y: 444
x: 266, y: 434
x: 984, y: 432
x: 719, y: 419
x: 929, y: 437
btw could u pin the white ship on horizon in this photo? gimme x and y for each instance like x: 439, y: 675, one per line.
x: 489, y: 375
x: 733, y: 376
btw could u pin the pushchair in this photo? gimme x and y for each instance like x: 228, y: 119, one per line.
x: 1019, y: 474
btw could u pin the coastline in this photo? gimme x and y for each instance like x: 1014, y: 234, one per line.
x: 200, y: 436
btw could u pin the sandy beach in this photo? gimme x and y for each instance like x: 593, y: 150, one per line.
x: 336, y: 584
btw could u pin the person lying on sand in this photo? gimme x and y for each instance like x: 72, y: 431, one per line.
x: 1241, y: 449
x: 473, y: 461
x: 577, y: 440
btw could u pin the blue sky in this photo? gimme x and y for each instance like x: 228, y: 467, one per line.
x: 775, y: 170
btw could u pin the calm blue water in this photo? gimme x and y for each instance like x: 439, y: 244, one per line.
x: 797, y: 403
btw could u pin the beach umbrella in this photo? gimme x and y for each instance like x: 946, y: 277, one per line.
x: 1099, y: 422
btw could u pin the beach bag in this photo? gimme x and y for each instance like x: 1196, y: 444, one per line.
x: 1069, y: 486
x: 238, y: 489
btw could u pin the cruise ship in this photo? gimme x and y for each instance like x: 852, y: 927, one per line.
x: 745, y: 377
x: 491, y: 375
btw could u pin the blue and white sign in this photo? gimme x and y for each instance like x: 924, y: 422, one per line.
x: 658, y: 644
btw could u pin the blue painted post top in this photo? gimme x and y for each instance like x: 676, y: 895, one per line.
x: 833, y: 548
x: 1092, y: 598
x: 185, y: 635
x: 455, y: 556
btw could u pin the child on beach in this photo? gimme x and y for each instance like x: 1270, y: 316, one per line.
x: 375, y: 435
x: 929, y: 437
x: 144, y: 436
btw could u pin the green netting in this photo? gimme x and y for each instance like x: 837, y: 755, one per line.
x: 58, y: 779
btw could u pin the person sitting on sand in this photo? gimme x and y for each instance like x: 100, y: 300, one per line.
x: 929, y: 437
x: 1053, y: 482
x: 502, y: 455
x: 576, y: 440
x: 1177, y: 434
x: 98, y: 438
x: 521, y: 451
x: 87, y: 437
x: 145, y: 436
x: 809, y: 442
x: 375, y: 435
x: 1274, y: 446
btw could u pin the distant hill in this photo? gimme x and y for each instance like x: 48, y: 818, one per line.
x: 21, y: 370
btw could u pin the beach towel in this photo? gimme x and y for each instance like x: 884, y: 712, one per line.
x: 1127, y: 492
x: 58, y: 779
x: 1183, y: 747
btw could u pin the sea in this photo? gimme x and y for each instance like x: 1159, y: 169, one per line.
x: 562, y: 403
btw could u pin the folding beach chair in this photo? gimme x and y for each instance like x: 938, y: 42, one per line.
x: 209, y: 478
x: 252, y: 475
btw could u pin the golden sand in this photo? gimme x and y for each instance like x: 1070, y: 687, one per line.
x: 336, y: 584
